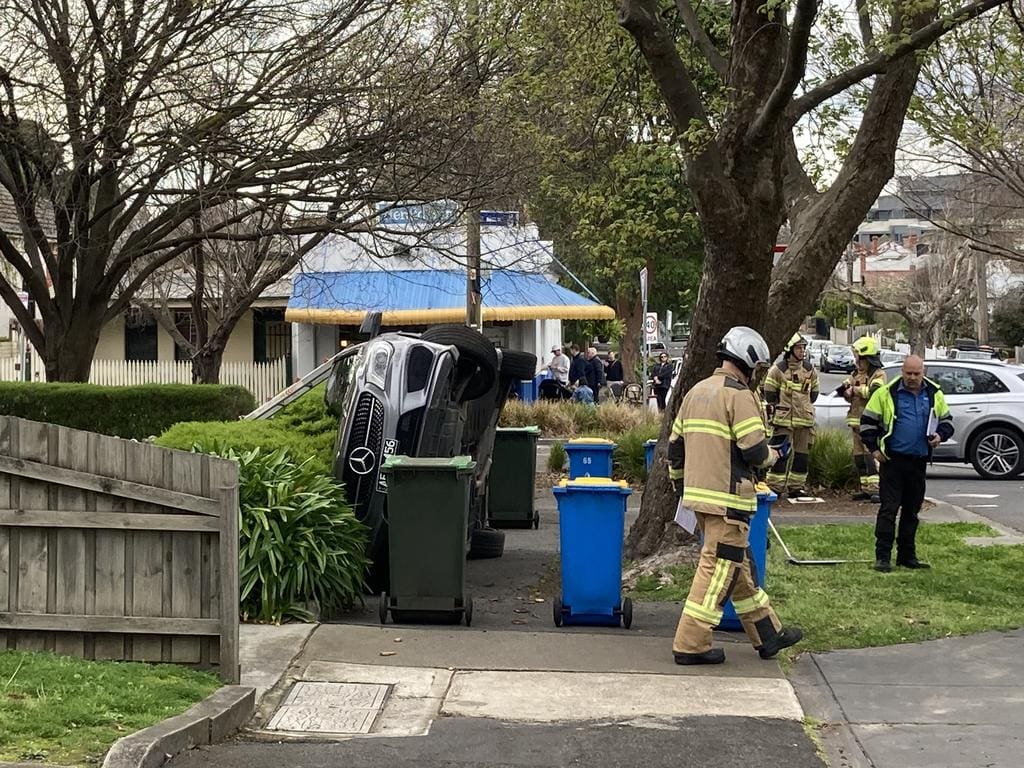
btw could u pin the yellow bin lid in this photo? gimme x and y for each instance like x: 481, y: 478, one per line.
x: 590, y: 441
x: 592, y: 482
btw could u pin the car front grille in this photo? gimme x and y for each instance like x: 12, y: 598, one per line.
x: 366, y: 432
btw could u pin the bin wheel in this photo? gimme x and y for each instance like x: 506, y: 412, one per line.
x: 536, y: 520
x: 468, y: 615
x: 382, y: 607
x: 557, y: 610
x: 627, y: 613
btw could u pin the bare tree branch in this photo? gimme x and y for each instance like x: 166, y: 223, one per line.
x: 792, y: 72
x: 700, y: 38
x: 919, y: 40
x: 867, y: 35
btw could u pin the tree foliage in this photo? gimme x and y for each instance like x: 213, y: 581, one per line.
x: 779, y: 66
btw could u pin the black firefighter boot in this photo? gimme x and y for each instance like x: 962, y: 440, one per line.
x: 774, y: 641
x: 711, y: 656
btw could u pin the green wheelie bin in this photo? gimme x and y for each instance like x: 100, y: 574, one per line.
x: 511, y: 479
x: 428, y: 523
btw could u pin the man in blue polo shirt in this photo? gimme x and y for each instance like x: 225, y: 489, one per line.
x: 901, y: 424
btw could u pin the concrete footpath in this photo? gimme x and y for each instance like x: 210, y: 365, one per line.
x: 515, y: 691
x: 511, y: 690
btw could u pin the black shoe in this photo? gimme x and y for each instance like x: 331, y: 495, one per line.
x: 784, y: 638
x: 912, y: 562
x: 796, y: 493
x: 876, y: 499
x: 883, y: 566
x: 861, y: 496
x: 713, y: 656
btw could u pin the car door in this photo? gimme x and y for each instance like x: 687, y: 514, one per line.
x: 967, y: 401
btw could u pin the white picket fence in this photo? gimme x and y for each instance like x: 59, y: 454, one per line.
x: 264, y: 380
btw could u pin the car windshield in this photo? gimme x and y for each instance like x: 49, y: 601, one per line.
x: 838, y: 350
x: 968, y: 355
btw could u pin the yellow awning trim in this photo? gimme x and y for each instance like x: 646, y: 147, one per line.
x: 451, y: 315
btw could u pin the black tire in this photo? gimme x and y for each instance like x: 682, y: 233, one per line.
x: 627, y: 613
x: 382, y: 607
x: 468, y: 611
x: 486, y: 543
x: 997, y: 453
x: 556, y: 611
x: 473, y: 347
x: 518, y: 365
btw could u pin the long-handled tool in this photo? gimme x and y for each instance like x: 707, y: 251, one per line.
x: 794, y: 561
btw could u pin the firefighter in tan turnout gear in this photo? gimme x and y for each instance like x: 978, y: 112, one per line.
x: 718, y: 443
x: 857, y: 390
x: 790, y: 389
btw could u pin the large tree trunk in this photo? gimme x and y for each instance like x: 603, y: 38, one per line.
x: 728, y: 289
x: 206, y: 364
x: 918, y: 334
x: 630, y: 310
x: 68, y: 352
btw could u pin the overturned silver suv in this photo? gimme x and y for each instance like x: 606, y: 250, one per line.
x: 436, y: 394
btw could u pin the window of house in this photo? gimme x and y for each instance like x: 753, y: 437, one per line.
x: 187, y: 328
x: 139, y: 336
x: 271, y: 335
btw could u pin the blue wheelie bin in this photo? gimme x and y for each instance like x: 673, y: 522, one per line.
x: 591, y: 527
x: 759, y: 548
x: 649, y: 447
x: 589, y: 457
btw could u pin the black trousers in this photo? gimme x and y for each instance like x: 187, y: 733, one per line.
x: 901, y: 490
x: 661, y: 394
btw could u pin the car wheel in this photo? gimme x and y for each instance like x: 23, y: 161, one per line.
x: 486, y: 543
x: 474, y: 349
x: 997, y: 453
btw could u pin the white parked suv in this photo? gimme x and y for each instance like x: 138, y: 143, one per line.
x: 986, y: 400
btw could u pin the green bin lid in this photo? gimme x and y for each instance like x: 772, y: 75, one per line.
x: 454, y: 464
x: 521, y: 430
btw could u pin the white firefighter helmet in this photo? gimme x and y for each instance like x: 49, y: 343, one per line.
x: 745, y: 347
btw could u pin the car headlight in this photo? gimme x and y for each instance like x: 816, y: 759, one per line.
x: 378, y: 360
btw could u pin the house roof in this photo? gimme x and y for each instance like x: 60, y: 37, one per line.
x: 424, y: 297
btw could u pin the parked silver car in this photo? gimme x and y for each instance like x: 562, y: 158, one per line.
x: 986, y: 399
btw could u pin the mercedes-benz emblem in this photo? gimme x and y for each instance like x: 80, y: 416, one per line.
x: 362, y: 460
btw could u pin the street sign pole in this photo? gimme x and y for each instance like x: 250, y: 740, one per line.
x: 646, y: 347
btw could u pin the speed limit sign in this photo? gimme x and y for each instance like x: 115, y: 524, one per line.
x: 651, y: 327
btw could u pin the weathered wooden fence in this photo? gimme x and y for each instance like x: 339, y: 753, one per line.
x: 112, y: 549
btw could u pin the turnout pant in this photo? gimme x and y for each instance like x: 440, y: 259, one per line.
x: 902, y: 490
x: 867, y: 467
x: 791, y: 472
x: 726, y: 569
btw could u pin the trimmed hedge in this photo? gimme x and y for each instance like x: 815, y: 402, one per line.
x: 131, y: 412
x: 305, y: 428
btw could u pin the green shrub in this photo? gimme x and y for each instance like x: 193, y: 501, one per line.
x: 629, y: 458
x: 305, y: 428
x: 557, y: 457
x: 299, y: 540
x: 130, y: 412
x: 831, y: 460
x: 567, y: 419
x: 268, y: 435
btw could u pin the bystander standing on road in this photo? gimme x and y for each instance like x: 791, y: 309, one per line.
x: 661, y: 375
x: 901, y: 424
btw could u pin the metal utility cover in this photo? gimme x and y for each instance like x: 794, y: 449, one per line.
x: 345, y: 708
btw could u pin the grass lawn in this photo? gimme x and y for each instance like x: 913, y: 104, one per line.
x: 968, y: 589
x: 57, y: 709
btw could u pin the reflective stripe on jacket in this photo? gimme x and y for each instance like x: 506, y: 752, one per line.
x: 718, y: 440
x: 863, y: 386
x: 792, y: 387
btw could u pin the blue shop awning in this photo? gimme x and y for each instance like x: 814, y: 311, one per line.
x: 426, y: 297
